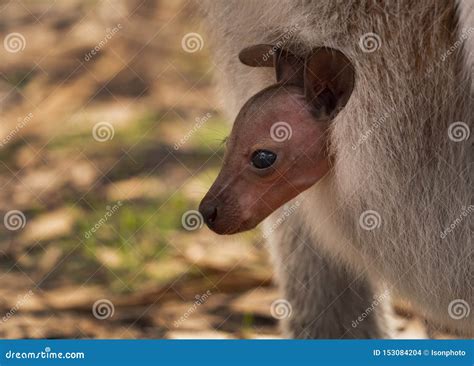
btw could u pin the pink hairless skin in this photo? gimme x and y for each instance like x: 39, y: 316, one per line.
x: 278, y: 144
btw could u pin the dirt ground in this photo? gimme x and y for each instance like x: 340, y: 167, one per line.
x: 110, y: 135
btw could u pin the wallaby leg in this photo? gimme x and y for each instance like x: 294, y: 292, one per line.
x: 327, y: 300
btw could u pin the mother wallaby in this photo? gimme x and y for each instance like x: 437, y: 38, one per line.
x: 395, y: 210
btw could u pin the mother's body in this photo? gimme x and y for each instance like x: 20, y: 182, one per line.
x: 401, y: 159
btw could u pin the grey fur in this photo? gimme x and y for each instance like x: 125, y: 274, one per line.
x: 392, y: 155
x: 326, y: 298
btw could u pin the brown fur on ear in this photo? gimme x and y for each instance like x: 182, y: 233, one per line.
x: 260, y: 55
x: 289, y: 68
x: 329, y: 81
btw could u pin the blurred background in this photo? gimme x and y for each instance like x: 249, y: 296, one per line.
x: 109, y: 137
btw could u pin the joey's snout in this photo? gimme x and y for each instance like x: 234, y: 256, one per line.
x: 221, y: 214
x: 208, y: 210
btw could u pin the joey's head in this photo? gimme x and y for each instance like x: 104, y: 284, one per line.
x: 278, y: 144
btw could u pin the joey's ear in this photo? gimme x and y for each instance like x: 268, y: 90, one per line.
x: 328, y: 81
x: 289, y: 68
x: 257, y: 56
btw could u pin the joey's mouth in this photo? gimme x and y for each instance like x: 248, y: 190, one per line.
x: 246, y: 225
x: 230, y: 228
x: 225, y: 216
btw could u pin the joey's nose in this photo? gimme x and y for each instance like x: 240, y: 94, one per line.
x: 209, y: 213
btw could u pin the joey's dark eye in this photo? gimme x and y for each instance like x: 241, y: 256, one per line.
x: 262, y: 159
